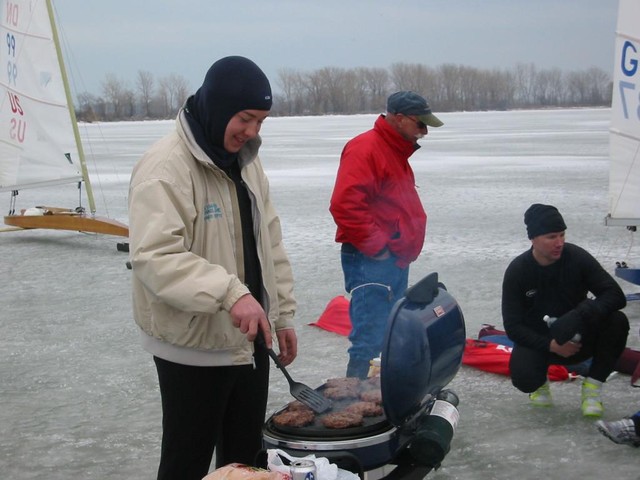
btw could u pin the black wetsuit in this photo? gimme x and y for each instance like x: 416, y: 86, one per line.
x: 531, y: 291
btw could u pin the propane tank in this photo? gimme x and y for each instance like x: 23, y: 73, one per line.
x: 432, y: 440
x: 576, y: 338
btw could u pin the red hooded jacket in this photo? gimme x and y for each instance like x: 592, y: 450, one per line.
x: 375, y: 203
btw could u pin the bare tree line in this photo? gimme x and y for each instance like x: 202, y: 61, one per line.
x: 148, y: 100
x: 332, y: 90
x: 448, y: 88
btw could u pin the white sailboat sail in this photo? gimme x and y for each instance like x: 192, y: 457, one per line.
x: 624, y: 173
x: 39, y: 138
x: 37, y: 142
x: 624, y: 133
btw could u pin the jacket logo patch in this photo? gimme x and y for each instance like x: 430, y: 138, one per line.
x: 531, y: 293
x: 212, y: 211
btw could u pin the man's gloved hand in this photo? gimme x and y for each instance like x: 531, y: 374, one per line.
x: 565, y: 327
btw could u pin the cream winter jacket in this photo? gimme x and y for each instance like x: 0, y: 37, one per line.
x: 186, y: 247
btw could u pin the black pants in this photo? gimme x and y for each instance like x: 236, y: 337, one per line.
x: 207, y: 408
x: 604, y: 343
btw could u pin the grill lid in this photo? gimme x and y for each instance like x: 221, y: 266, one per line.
x: 422, y: 349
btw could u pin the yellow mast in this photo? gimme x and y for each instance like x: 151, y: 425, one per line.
x: 72, y: 113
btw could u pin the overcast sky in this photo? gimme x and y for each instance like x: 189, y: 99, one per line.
x: 185, y: 37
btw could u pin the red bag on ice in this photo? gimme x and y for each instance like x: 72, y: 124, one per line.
x: 494, y: 358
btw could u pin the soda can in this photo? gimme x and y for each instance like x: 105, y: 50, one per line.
x: 303, y: 470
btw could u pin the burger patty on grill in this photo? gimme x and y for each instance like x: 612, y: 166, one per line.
x: 349, y: 382
x: 366, y: 409
x: 370, y: 383
x: 297, y: 405
x: 342, y: 392
x: 342, y: 420
x: 294, y: 418
x: 374, y: 396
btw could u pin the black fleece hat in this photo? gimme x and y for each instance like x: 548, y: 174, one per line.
x: 231, y: 85
x: 541, y: 219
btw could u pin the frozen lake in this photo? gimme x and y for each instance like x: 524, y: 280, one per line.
x: 79, y: 397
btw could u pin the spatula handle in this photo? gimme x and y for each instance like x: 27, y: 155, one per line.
x: 274, y: 356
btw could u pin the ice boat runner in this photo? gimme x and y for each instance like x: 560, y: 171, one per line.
x: 624, y: 170
x: 39, y: 138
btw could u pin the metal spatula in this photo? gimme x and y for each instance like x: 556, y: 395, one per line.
x: 311, y: 398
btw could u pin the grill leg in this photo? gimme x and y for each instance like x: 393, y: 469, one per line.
x: 407, y: 472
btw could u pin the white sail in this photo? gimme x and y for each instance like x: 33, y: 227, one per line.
x: 39, y: 138
x: 37, y: 142
x: 624, y: 173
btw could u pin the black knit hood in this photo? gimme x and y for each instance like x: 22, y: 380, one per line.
x: 231, y: 85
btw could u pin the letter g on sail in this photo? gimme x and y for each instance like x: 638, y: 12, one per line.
x: 629, y: 61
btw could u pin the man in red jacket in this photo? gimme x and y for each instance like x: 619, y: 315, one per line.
x: 380, y: 219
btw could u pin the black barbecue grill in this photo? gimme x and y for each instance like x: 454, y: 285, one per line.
x: 422, y: 352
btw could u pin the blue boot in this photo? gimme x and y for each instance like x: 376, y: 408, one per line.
x: 358, y: 368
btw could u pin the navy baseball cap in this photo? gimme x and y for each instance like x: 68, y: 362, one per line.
x: 410, y: 103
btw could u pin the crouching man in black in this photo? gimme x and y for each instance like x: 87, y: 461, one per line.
x: 550, y: 319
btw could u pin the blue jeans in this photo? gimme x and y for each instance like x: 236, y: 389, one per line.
x: 374, y: 285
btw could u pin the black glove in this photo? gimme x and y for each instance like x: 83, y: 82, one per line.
x: 588, y: 310
x: 565, y: 327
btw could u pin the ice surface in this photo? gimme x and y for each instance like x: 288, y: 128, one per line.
x: 79, y: 397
